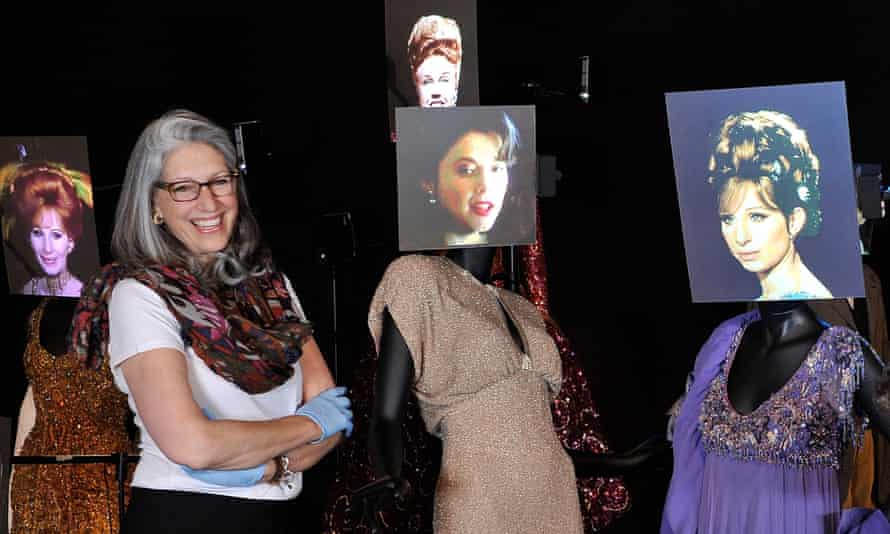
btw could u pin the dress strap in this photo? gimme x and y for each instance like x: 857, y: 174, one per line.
x: 35, y: 318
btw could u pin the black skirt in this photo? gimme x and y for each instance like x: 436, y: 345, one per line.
x: 156, y: 511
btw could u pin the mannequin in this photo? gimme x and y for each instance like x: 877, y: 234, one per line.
x: 68, y: 409
x: 718, y: 444
x: 362, y: 490
x: 54, y: 327
x: 869, y: 467
x: 53, y: 332
x: 864, y: 470
x: 396, y: 369
x: 785, y: 337
x: 771, y: 351
x: 484, y: 371
x: 394, y: 379
x: 773, y: 348
x: 870, y: 312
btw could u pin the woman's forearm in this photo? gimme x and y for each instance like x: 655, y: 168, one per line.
x: 158, y: 382
x: 227, y: 444
x: 302, y: 455
x: 300, y: 459
x: 306, y: 456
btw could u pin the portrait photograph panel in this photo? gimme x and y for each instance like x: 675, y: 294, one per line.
x: 767, y: 194
x: 467, y: 176
x: 431, y: 54
x: 48, y: 223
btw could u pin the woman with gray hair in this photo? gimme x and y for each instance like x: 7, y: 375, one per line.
x: 230, y: 391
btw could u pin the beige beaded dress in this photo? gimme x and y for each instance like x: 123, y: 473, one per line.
x: 504, y: 469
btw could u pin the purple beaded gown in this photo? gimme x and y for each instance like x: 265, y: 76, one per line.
x: 773, y: 470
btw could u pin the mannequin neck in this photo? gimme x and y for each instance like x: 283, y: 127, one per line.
x: 57, y: 316
x: 787, y: 321
x: 476, y: 261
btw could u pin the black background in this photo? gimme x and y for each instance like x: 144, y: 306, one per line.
x: 315, y: 76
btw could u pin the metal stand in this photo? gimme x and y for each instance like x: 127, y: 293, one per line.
x: 334, y: 334
x: 337, y: 247
x: 511, y: 266
x: 334, y: 360
x: 240, y: 146
x: 5, y: 453
x: 121, y: 471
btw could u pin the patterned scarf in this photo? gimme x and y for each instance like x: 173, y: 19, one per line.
x: 248, y: 334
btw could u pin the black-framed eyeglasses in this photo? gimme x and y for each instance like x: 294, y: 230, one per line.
x: 187, y: 190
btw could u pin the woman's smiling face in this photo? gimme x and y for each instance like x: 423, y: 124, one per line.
x: 204, y: 225
x: 50, y: 241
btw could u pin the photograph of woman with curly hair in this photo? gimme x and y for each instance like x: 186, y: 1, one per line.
x: 766, y: 178
x: 49, y: 236
x: 434, y: 56
x: 776, y: 181
x: 431, y: 54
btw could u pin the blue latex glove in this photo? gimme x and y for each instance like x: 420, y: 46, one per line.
x: 238, y: 478
x: 226, y: 477
x: 330, y: 411
x: 338, y: 397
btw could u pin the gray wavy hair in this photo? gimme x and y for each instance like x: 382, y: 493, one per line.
x: 137, y: 241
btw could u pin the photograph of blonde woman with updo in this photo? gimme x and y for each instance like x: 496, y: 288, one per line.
x: 766, y: 178
x: 435, y: 53
x: 49, y: 237
x: 431, y: 54
x: 773, y: 179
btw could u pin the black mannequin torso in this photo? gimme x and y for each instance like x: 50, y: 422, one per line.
x: 773, y: 349
x: 770, y: 352
x: 860, y: 317
x: 57, y: 316
x: 476, y: 261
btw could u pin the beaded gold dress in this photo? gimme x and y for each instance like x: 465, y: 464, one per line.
x: 79, y: 411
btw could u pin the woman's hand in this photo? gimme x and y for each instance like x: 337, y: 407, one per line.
x: 330, y: 410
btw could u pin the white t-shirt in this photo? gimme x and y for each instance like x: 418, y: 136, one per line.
x: 140, y: 321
